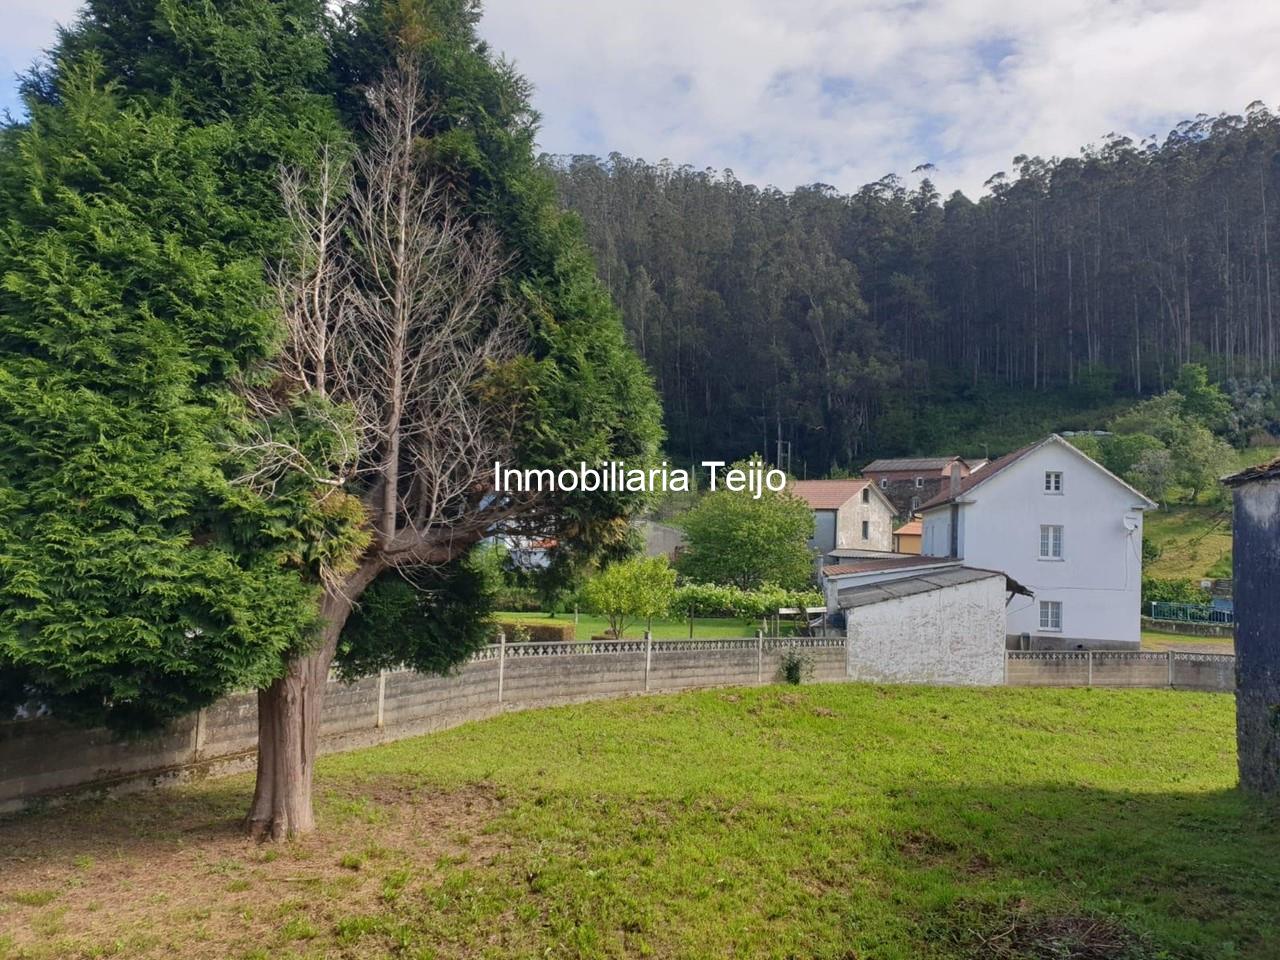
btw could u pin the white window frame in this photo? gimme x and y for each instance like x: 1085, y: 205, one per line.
x: 1053, y: 483
x: 1051, y: 535
x: 919, y: 483
x: 884, y: 483
x: 1051, y: 610
x: 915, y: 504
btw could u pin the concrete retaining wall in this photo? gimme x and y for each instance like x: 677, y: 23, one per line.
x: 1213, y: 672
x: 1190, y: 629
x: 43, y: 758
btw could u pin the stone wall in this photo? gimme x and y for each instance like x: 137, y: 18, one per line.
x: 949, y: 635
x: 42, y: 758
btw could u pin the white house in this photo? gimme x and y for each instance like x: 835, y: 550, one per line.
x: 847, y: 514
x: 1059, y: 523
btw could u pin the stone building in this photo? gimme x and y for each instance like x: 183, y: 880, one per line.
x: 910, y: 482
x: 1256, y: 575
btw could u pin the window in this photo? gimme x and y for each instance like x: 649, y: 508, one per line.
x: 884, y: 483
x: 1050, y: 615
x: 866, y: 494
x: 1052, y: 481
x: 1050, y: 542
x: 915, y: 504
x: 919, y: 482
x: 866, y: 529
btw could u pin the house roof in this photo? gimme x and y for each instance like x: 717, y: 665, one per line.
x: 870, y: 593
x: 1263, y: 471
x: 864, y: 553
x: 883, y: 563
x: 1009, y: 459
x: 906, y: 464
x: 914, y: 528
x: 828, y: 494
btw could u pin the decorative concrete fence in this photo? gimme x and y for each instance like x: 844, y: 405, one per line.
x: 42, y: 758
x: 1214, y: 672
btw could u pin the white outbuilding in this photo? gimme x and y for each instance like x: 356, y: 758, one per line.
x: 939, y: 623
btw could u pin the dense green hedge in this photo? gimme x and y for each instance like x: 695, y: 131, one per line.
x: 1159, y: 590
x: 714, y: 600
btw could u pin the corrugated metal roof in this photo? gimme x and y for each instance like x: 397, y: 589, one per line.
x: 863, y: 553
x: 828, y: 494
x: 885, y: 563
x: 865, y: 595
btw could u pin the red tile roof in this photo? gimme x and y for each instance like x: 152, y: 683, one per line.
x: 987, y: 472
x: 827, y: 494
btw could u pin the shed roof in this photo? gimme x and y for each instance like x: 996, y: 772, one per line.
x: 867, y: 594
x: 1263, y: 471
x: 828, y: 494
x: 913, y: 528
x: 895, y: 562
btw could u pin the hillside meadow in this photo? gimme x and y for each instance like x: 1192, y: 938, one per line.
x: 843, y: 821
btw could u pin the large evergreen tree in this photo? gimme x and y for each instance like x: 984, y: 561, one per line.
x: 136, y: 582
x: 149, y: 557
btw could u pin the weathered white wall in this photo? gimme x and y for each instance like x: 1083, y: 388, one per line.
x: 1099, y: 579
x: 953, y: 635
x: 878, y: 512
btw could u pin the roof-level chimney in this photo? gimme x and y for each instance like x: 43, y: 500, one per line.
x: 955, y: 479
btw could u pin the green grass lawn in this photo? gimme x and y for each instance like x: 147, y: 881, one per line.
x: 704, y: 628
x: 841, y: 821
x: 1195, y: 539
x: 1160, y: 640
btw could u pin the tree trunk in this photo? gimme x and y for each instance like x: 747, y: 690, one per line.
x: 289, y: 724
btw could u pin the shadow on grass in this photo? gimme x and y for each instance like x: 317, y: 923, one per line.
x: 1042, y: 870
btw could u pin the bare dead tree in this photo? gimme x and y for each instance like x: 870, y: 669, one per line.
x: 394, y: 311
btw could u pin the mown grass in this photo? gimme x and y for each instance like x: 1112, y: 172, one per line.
x: 821, y: 821
x: 1160, y: 640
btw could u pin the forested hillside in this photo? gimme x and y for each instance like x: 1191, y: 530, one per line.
x: 891, y: 320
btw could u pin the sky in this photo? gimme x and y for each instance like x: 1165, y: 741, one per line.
x: 844, y: 92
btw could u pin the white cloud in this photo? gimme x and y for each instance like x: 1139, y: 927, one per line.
x: 845, y: 91
x: 965, y: 84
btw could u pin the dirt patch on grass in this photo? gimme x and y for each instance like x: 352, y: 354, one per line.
x: 1059, y: 937
x: 170, y: 874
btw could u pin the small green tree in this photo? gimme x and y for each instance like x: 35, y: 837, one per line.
x: 747, y: 542
x: 1202, y: 401
x: 631, y: 590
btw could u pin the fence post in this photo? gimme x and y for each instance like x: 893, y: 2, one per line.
x: 1005, y: 681
x: 1169, y: 654
x: 759, y: 656
x: 197, y: 746
x: 648, y: 657
x: 382, y: 697
x: 502, y: 661
x: 1089, y: 655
